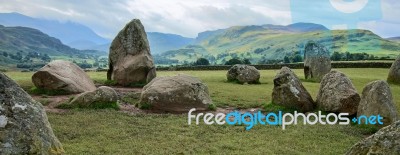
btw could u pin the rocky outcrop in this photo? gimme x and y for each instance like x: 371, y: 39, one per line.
x: 175, y: 94
x: 130, y: 61
x: 376, y: 99
x: 60, y: 75
x: 289, y: 91
x: 337, y: 94
x: 98, y: 98
x: 385, y: 141
x: 394, y: 72
x: 317, y: 61
x: 24, y: 128
x: 243, y: 74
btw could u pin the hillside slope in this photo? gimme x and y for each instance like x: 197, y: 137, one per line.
x: 19, y: 43
x: 72, y: 34
x: 271, y: 42
x: 16, y: 39
x: 159, y: 42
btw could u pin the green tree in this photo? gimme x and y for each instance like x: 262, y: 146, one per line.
x: 336, y: 56
x: 286, y: 59
x: 297, y: 58
x: 246, y: 61
x: 202, y: 61
x: 46, y: 58
x: 5, y: 54
x: 233, y: 61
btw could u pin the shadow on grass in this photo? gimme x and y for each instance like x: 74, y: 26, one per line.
x: 40, y: 91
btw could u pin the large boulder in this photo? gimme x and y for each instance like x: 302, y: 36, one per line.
x: 317, y: 61
x: 243, y: 74
x: 376, y: 99
x: 176, y: 94
x: 385, y: 141
x: 394, y: 72
x: 130, y: 61
x: 24, y: 128
x: 337, y: 94
x: 289, y: 91
x: 101, y: 97
x: 60, y: 75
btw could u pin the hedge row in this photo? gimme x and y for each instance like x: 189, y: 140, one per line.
x: 273, y: 66
x: 279, y: 66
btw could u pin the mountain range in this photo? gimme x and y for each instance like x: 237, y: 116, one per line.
x: 159, y: 42
x: 396, y: 39
x: 82, y: 37
x: 270, y: 42
x: 17, y: 43
x: 254, y: 42
x: 69, y: 33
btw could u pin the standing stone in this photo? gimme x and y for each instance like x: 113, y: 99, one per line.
x: 394, y: 72
x: 385, y: 141
x: 24, y: 128
x: 317, y: 61
x: 130, y: 61
x: 176, y: 94
x: 289, y: 91
x: 243, y: 74
x: 377, y: 99
x: 337, y: 94
x: 60, y: 75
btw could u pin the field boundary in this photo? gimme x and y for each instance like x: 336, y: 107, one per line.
x: 279, y: 66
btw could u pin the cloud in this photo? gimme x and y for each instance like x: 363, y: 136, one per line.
x: 184, y: 17
x: 389, y: 25
x: 190, y: 17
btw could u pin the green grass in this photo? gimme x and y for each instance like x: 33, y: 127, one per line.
x: 112, y: 132
x: 86, y: 131
x: 44, y: 101
x: 94, y: 105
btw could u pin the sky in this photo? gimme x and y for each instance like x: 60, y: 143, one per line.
x: 189, y: 17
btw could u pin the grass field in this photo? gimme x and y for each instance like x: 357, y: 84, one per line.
x: 114, y: 132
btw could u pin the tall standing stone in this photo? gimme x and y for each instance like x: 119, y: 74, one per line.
x: 394, y: 72
x: 317, y: 61
x: 24, y: 128
x: 289, y: 91
x: 376, y: 99
x: 130, y: 60
x: 337, y: 94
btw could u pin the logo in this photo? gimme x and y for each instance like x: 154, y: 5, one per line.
x: 332, y: 13
x: 337, y: 14
x: 277, y: 119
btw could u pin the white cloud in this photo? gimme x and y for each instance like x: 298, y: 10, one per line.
x: 389, y: 25
x: 184, y: 17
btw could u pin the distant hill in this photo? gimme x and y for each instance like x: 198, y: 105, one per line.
x: 81, y: 37
x: 16, y: 39
x: 306, y: 27
x: 159, y: 42
x: 396, y: 39
x: 297, y: 27
x: 270, y: 42
x: 18, y: 42
x: 69, y: 33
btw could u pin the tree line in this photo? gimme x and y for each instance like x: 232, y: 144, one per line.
x: 294, y: 57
